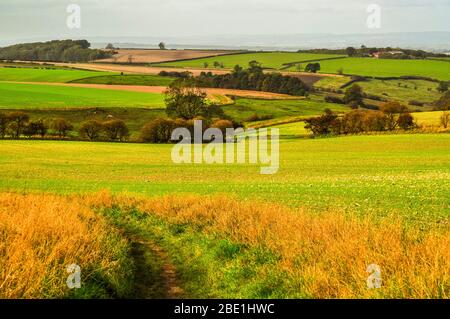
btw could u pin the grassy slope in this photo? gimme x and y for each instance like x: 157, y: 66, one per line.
x: 244, y: 108
x: 45, y: 75
x: 403, y: 93
x: 388, y: 68
x: 269, y: 60
x: 24, y: 96
x: 402, y: 174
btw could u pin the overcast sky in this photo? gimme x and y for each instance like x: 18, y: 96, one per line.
x: 20, y: 19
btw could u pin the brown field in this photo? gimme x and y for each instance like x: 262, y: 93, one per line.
x: 157, y: 56
x: 212, y: 92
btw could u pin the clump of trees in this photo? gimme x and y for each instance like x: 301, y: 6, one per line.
x: 17, y: 124
x: 111, y: 130
x: 255, y: 79
x: 391, y: 116
x: 54, y: 51
x: 185, y: 103
x: 312, y: 67
x: 354, y: 96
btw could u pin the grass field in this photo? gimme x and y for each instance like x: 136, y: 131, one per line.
x: 387, y: 68
x: 45, y: 75
x: 147, y: 80
x: 274, y: 60
x: 406, y: 175
x: 244, y: 108
x: 24, y: 96
x: 403, y: 90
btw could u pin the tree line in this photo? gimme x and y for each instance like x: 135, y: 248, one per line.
x: 54, y: 51
x: 253, y: 79
x: 391, y: 116
x: 17, y: 124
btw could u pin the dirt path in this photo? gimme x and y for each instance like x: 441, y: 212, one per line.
x: 160, y: 89
x: 155, y: 276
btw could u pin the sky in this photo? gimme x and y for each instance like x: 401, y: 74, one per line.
x: 26, y: 19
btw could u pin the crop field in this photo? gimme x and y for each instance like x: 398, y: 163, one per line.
x: 274, y: 60
x: 23, y: 96
x: 24, y: 74
x: 439, y: 70
x: 154, y: 56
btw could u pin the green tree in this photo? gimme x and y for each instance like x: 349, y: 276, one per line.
x: 354, y: 95
x: 351, y: 51
x: 91, y: 130
x: 18, y: 121
x: 162, y: 46
x: 116, y: 130
x: 443, y: 87
x: 185, y: 100
x: 61, y: 127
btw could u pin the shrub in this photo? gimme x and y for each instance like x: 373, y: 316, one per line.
x: 158, y: 131
x: 392, y: 109
x: 406, y: 121
x: 222, y: 125
x: 35, y: 128
x: 116, y: 130
x: 416, y: 103
x: 61, y: 127
x: 322, y: 125
x: 445, y: 119
x: 354, y: 94
x: 18, y: 121
x: 91, y: 130
x: 4, y: 122
x: 334, y: 99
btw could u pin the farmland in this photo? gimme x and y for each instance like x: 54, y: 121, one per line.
x: 154, y: 56
x: 274, y: 60
x: 149, y: 228
x: 28, y: 74
x: 23, y: 96
x: 387, y: 68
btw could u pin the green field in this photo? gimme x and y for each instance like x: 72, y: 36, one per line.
x: 244, y: 108
x: 45, y: 75
x: 387, y: 68
x: 24, y: 96
x: 408, y: 175
x: 273, y: 60
x: 403, y: 90
x: 146, y: 80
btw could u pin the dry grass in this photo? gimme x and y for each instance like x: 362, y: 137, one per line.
x: 327, y: 254
x: 43, y: 234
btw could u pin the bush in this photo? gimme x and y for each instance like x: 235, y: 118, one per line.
x: 91, y: 130
x: 116, y: 130
x: 406, y: 121
x: 416, y: 103
x: 354, y: 94
x: 4, y: 122
x: 17, y: 123
x: 322, y: 125
x: 159, y: 130
x: 61, y: 127
x: 334, y: 99
x: 445, y: 119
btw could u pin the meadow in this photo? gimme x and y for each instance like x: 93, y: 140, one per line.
x: 406, y: 175
x: 146, y: 80
x: 439, y: 70
x: 29, y: 96
x: 336, y: 206
x: 36, y: 74
x: 271, y: 60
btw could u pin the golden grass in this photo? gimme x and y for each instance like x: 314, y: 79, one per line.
x: 327, y: 253
x: 43, y: 234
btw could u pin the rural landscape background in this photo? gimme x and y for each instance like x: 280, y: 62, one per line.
x: 92, y: 204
